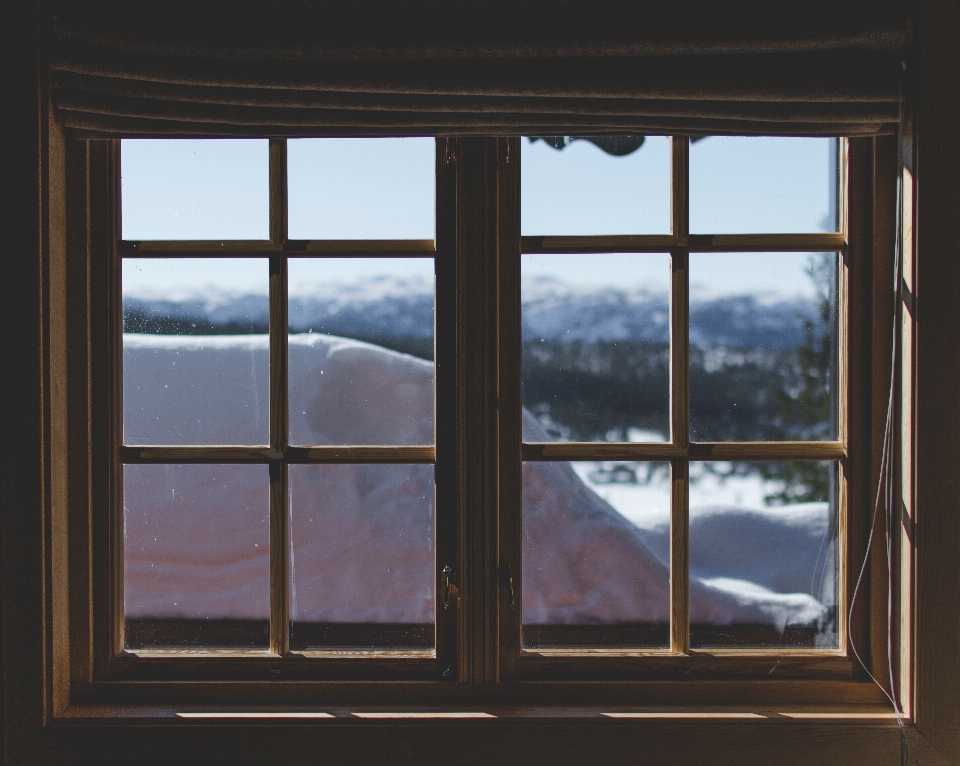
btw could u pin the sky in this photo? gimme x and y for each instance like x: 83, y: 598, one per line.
x: 384, y: 188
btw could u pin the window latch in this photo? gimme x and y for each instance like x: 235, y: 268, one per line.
x: 449, y: 586
x: 506, y: 579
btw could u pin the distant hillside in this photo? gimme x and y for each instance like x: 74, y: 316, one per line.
x: 402, y: 308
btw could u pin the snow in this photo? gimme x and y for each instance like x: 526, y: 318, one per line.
x: 362, y: 535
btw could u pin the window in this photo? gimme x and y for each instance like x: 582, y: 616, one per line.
x: 106, y: 73
x: 355, y: 428
x: 277, y: 459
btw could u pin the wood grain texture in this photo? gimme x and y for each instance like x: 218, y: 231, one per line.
x: 905, y: 410
x: 333, y: 248
x: 447, y: 429
x: 512, y: 451
x: 650, y: 243
x: 76, y: 517
x: 854, y: 402
x: 680, y: 349
x: 680, y: 556
x: 279, y: 417
x: 477, y: 418
x: 882, y: 365
x: 109, y: 639
x: 214, y: 454
x: 700, y: 243
x: 693, y: 451
x: 278, y: 191
x: 785, y: 243
x: 936, y: 312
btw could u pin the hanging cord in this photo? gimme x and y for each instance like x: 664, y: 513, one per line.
x: 886, y: 494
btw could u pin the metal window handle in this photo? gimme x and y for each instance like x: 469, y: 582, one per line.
x: 449, y: 586
x: 506, y: 581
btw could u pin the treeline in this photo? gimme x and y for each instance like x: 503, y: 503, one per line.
x: 599, y: 391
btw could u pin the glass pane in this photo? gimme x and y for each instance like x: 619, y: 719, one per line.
x: 362, y: 564
x: 596, y: 554
x: 572, y: 185
x: 763, y: 346
x: 596, y: 346
x: 763, y: 554
x: 753, y: 185
x: 361, y: 351
x: 195, y: 351
x: 195, y: 188
x: 361, y: 188
x: 196, y: 555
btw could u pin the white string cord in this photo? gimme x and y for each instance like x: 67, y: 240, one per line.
x: 886, y: 491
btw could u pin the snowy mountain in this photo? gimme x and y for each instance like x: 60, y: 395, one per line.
x: 403, y: 307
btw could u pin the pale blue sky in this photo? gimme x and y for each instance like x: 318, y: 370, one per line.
x: 384, y: 188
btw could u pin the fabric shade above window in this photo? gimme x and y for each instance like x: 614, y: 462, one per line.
x: 432, y: 67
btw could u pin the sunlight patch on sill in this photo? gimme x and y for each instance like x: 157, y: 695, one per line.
x: 423, y: 715
x: 254, y: 715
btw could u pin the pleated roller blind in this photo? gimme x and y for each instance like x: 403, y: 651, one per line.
x: 406, y: 67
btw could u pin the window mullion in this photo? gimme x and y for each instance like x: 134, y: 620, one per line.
x: 477, y: 422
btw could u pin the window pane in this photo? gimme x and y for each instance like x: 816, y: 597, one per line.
x: 596, y: 346
x: 361, y: 188
x: 361, y: 351
x: 196, y: 555
x: 596, y: 553
x: 195, y: 188
x: 598, y: 185
x: 362, y: 565
x: 741, y: 185
x: 763, y: 346
x: 763, y: 538
x: 195, y: 351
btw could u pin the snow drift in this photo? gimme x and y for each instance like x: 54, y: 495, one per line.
x: 196, y: 537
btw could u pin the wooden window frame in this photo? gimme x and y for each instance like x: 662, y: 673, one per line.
x: 478, y: 658
x: 679, y: 659
x: 113, y: 660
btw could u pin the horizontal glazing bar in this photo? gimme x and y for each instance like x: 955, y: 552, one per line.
x: 696, y: 451
x: 653, y: 243
x: 788, y: 243
x: 798, y: 243
x: 206, y: 454
x: 405, y: 248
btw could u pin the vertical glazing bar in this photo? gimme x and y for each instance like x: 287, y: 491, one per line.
x: 680, y: 399
x: 680, y: 473
x: 279, y: 511
x: 278, y: 190
x: 679, y: 557
x: 680, y: 187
